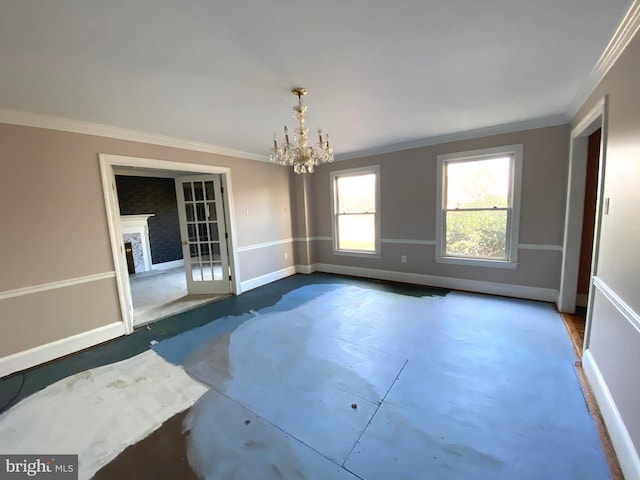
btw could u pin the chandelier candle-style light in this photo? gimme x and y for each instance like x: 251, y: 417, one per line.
x: 298, y: 153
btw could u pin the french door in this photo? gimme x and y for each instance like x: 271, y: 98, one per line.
x: 203, y: 232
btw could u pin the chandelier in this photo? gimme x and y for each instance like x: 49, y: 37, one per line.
x: 298, y: 153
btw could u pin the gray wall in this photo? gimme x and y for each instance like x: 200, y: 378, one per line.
x: 408, y: 211
x: 54, y: 229
x: 615, y: 330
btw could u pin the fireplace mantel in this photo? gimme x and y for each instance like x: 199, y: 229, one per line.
x: 132, y: 227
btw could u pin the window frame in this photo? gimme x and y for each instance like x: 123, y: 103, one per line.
x: 513, y: 209
x: 334, y: 175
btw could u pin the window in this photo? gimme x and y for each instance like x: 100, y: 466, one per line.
x: 479, y: 207
x: 355, y: 211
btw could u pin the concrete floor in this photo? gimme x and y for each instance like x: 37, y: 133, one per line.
x: 461, y: 386
x: 159, y: 294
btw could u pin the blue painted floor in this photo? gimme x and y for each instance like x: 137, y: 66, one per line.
x: 458, y: 387
x: 455, y: 386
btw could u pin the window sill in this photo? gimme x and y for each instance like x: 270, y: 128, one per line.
x: 357, y: 253
x: 478, y: 262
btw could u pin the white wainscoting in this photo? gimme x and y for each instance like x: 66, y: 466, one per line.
x: 620, y: 438
x: 622, y: 442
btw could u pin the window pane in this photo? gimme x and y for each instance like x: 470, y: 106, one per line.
x: 208, y: 187
x: 478, y: 183
x: 357, y: 232
x: 192, y: 232
x: 217, y: 271
x: 201, y: 212
x: 186, y: 188
x: 479, y: 234
x: 356, y: 193
x: 189, y: 209
x: 199, y: 190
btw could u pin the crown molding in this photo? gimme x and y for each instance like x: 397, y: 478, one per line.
x: 28, y: 119
x: 621, y: 38
x: 542, y: 122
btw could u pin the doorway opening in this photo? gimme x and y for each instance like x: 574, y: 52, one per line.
x: 172, y: 235
x: 150, y: 221
x: 582, y: 223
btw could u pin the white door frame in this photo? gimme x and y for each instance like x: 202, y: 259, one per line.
x: 107, y: 164
x: 595, y: 119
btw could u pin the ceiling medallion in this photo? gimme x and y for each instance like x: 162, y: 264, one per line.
x: 298, y: 153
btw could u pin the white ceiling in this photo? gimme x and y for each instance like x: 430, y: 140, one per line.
x: 378, y: 73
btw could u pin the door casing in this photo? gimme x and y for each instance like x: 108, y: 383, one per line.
x: 594, y: 119
x: 107, y: 164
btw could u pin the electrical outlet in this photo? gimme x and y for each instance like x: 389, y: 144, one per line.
x: 403, y: 259
x: 286, y: 255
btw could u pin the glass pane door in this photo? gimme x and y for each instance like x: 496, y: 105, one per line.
x: 203, y: 234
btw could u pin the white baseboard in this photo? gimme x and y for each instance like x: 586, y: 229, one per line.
x: 264, y: 279
x: 50, y: 351
x: 622, y: 443
x: 168, y: 265
x: 517, y: 291
x: 306, y: 269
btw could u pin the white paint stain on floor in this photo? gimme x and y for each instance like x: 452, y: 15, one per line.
x: 99, y: 412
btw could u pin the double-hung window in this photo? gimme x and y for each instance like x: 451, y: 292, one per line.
x: 355, y: 206
x: 479, y: 207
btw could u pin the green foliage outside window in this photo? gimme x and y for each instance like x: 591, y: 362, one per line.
x: 477, y: 208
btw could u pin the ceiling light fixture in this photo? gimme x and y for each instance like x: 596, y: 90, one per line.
x: 298, y: 153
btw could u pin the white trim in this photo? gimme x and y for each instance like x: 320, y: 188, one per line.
x: 478, y: 262
x: 632, y: 317
x: 115, y: 233
x: 265, y: 245
x: 53, y: 285
x: 305, y: 269
x: 59, y: 348
x: 618, y: 43
x: 403, y: 241
x: 507, y: 290
x: 28, y: 119
x: 543, y: 122
x: 407, y: 242
x: 265, y: 279
x: 310, y: 239
x: 513, y: 224
x: 168, y: 265
x: 107, y: 164
x: 534, y: 246
x: 620, y: 438
x: 232, y: 241
x: 576, y: 184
